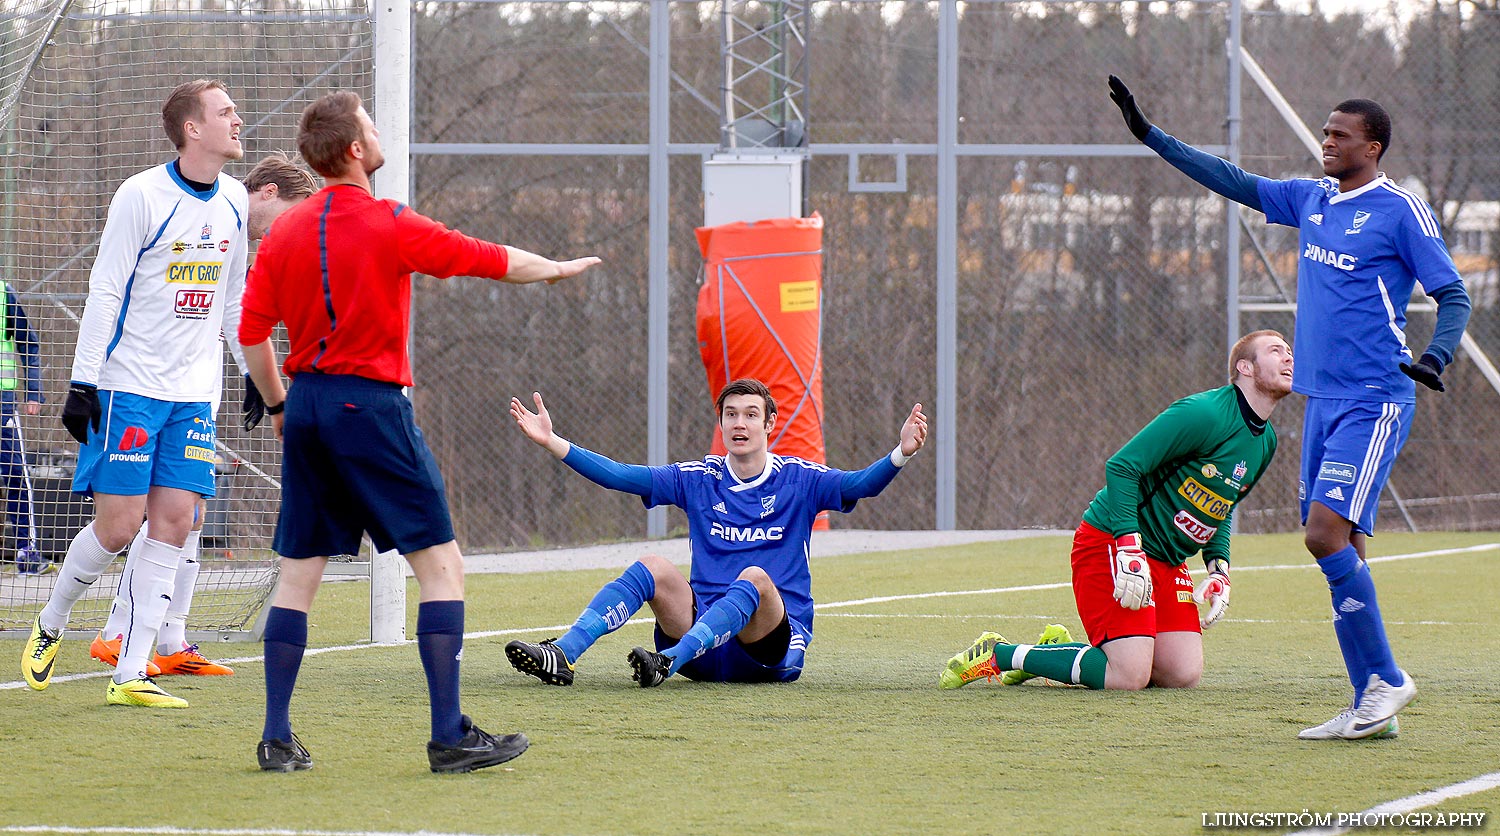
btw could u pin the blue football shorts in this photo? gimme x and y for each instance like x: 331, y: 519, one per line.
x: 143, y: 442
x: 353, y: 461
x: 730, y: 662
x: 1348, y: 448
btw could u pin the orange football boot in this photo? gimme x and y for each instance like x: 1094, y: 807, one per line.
x: 189, y: 661
x: 108, y: 652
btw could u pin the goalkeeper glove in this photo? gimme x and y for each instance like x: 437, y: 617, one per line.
x: 81, y: 410
x: 1132, y: 573
x: 254, y: 406
x: 1215, y: 590
x: 1427, y: 371
x: 1134, y: 119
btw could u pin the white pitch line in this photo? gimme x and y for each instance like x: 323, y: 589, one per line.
x: 219, y: 832
x: 1055, y: 616
x: 8, y: 686
x: 1477, y: 784
x: 1065, y: 585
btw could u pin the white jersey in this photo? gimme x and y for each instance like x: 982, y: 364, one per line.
x: 164, y: 288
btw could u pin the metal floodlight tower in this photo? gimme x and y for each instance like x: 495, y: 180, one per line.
x: 759, y: 170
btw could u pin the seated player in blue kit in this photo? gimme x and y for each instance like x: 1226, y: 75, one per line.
x: 746, y: 614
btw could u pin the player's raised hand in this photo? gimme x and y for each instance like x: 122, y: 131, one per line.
x: 914, y: 431
x: 1215, y: 590
x: 536, y: 425
x: 1134, y: 119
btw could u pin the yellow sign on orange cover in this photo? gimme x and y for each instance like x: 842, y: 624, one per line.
x: 759, y: 315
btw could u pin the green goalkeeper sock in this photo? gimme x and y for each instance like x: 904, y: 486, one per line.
x: 1074, y: 664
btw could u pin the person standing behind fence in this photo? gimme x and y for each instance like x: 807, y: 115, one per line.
x: 20, y: 377
x: 337, y: 270
x: 166, y: 282
x: 1364, y: 242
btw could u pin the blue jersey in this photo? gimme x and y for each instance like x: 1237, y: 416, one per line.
x: 765, y: 522
x: 1361, y: 252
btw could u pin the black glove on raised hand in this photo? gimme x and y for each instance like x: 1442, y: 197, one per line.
x: 81, y: 411
x: 1427, y: 371
x: 255, y: 405
x: 1134, y: 119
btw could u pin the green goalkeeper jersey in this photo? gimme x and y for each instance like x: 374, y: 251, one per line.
x: 1178, y: 480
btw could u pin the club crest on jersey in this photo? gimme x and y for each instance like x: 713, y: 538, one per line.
x: 1210, y: 471
x: 767, y: 505
x: 194, y: 304
x: 179, y: 247
x: 1360, y: 217
x: 207, y: 234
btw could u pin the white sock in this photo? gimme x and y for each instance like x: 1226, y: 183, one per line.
x: 85, y: 562
x: 119, y: 611
x: 150, y: 594
x: 173, y: 635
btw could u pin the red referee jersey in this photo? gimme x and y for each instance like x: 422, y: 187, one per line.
x: 336, y: 268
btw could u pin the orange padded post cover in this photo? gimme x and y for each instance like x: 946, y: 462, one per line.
x: 760, y: 316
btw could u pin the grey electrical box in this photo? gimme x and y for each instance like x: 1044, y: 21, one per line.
x: 751, y: 187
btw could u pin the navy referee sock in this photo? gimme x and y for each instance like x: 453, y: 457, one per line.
x: 285, y: 639
x: 440, y: 641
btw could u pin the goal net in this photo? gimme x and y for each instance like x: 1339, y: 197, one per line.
x: 81, y: 87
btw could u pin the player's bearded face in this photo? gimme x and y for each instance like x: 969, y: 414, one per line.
x: 1273, y: 368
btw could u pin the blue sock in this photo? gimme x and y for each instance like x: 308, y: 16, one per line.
x: 1354, y: 599
x: 612, y: 606
x: 440, y: 641
x: 285, y: 640
x: 720, y: 623
x: 1359, y: 674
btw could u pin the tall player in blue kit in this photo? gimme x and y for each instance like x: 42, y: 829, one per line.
x: 1364, y: 242
x: 746, y: 614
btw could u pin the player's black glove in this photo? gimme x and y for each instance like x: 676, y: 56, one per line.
x: 255, y: 405
x: 1134, y: 119
x: 81, y: 411
x: 1427, y: 371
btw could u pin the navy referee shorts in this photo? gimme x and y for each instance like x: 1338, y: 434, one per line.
x: 354, y: 461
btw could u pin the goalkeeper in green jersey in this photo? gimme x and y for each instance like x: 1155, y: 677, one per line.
x: 1168, y: 494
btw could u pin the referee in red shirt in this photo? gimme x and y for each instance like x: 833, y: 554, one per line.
x: 337, y: 270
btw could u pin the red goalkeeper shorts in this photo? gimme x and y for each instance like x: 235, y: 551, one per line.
x: 1171, y: 609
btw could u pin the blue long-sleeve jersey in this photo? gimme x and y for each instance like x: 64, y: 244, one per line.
x: 734, y: 523
x: 1361, y: 253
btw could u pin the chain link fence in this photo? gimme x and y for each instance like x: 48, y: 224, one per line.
x: 1091, y: 287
